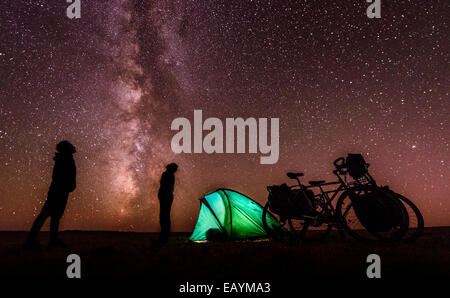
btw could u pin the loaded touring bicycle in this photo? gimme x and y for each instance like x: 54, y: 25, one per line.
x: 363, y: 209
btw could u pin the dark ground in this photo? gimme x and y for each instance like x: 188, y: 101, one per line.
x: 121, y: 256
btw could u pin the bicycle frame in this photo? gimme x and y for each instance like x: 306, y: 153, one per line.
x: 328, y: 196
x: 324, y: 195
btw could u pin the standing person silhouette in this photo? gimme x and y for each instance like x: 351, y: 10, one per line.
x: 165, y: 196
x: 63, y: 182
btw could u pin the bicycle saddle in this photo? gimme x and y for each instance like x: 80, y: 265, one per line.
x: 294, y: 175
x: 316, y: 182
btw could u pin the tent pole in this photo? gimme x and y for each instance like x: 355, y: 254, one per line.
x: 231, y: 214
x: 210, y: 209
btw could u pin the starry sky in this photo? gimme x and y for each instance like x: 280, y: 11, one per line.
x: 112, y: 81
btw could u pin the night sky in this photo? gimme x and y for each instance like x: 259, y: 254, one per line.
x: 113, y: 81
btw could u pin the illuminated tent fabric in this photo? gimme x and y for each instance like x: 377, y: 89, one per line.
x: 229, y: 214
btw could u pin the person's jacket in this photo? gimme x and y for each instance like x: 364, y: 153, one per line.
x: 167, y: 183
x: 64, y: 173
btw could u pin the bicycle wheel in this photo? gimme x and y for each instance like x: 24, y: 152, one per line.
x: 351, y: 221
x: 273, y: 225
x: 309, y: 230
x: 416, y: 222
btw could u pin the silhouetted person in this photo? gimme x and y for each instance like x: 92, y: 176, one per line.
x: 165, y: 196
x: 63, y: 182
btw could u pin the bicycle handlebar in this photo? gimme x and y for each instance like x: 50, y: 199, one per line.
x: 339, y: 162
x: 340, y: 165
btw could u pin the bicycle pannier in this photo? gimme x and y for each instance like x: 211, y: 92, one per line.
x: 356, y: 165
x: 301, y: 204
x: 279, y: 198
x: 287, y: 202
x: 398, y: 210
x: 377, y: 211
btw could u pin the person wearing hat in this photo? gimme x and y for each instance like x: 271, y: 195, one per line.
x: 165, y: 196
x: 63, y: 183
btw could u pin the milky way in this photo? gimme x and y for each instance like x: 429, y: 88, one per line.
x: 113, y: 81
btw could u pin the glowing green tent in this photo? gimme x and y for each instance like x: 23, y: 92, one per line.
x: 226, y: 213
